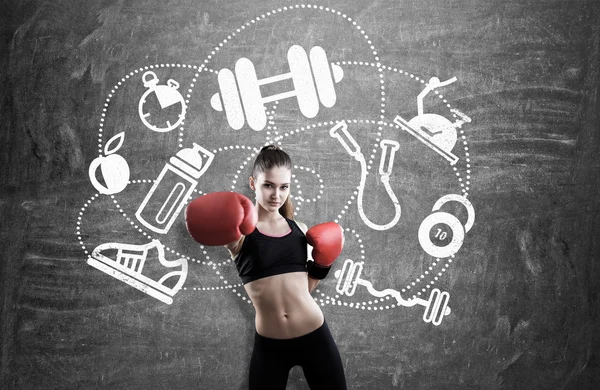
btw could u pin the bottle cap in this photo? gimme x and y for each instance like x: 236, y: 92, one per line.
x: 189, y: 160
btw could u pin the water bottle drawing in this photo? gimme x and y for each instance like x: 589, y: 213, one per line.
x: 172, y: 188
x: 128, y: 267
x: 114, y: 168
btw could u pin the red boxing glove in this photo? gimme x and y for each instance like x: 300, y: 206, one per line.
x: 220, y: 218
x: 327, y: 240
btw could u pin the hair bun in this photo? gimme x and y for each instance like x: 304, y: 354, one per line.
x: 270, y: 147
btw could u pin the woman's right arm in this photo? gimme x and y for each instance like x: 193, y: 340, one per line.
x: 235, y: 246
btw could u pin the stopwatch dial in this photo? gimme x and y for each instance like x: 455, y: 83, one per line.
x: 157, y: 117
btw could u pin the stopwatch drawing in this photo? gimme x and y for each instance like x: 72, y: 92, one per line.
x: 161, y: 108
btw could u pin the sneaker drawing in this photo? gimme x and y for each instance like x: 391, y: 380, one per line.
x: 129, y: 265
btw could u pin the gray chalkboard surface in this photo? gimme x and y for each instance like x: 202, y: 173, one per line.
x: 456, y: 142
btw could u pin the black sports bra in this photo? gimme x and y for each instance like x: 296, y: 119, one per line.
x: 262, y: 255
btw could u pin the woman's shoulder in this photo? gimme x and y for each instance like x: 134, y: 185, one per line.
x: 302, y: 226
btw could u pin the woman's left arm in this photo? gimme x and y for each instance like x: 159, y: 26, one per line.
x: 312, y: 283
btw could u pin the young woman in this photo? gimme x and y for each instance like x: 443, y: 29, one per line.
x: 270, y: 251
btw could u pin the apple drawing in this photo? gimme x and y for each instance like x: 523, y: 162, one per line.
x: 114, y: 169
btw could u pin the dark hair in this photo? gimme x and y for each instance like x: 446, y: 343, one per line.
x: 272, y: 156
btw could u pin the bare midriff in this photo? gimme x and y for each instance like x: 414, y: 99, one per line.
x: 284, y: 307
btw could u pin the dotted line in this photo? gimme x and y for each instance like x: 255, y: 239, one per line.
x: 188, y: 95
x: 299, y: 198
x: 433, y: 279
x: 328, y: 299
x: 366, y: 305
x: 123, y: 80
x: 213, y: 265
x: 273, y: 12
x: 271, y: 123
x: 382, y: 117
x: 360, y: 244
x: 79, y: 218
x: 230, y: 286
x: 367, y: 121
x: 140, y: 230
x: 464, y: 184
x: 254, y: 152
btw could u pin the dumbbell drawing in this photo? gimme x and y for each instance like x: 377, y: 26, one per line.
x: 433, y: 130
x: 389, y: 148
x: 349, y: 277
x: 443, y: 218
x: 240, y: 96
x: 128, y: 267
x: 171, y: 108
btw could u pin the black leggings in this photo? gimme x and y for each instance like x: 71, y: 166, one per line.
x: 315, y: 352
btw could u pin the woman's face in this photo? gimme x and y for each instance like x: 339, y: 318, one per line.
x: 272, y: 187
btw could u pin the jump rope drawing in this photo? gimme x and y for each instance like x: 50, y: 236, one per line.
x: 239, y: 98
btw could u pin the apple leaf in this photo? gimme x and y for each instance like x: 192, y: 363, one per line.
x: 119, y: 138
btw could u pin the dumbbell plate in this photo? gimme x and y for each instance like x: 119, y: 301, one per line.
x: 300, y: 70
x: 348, y: 277
x: 436, y: 307
x: 250, y: 93
x: 458, y: 234
x: 322, y: 74
x: 231, y: 99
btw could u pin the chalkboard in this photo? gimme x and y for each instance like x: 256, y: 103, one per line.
x: 456, y: 143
